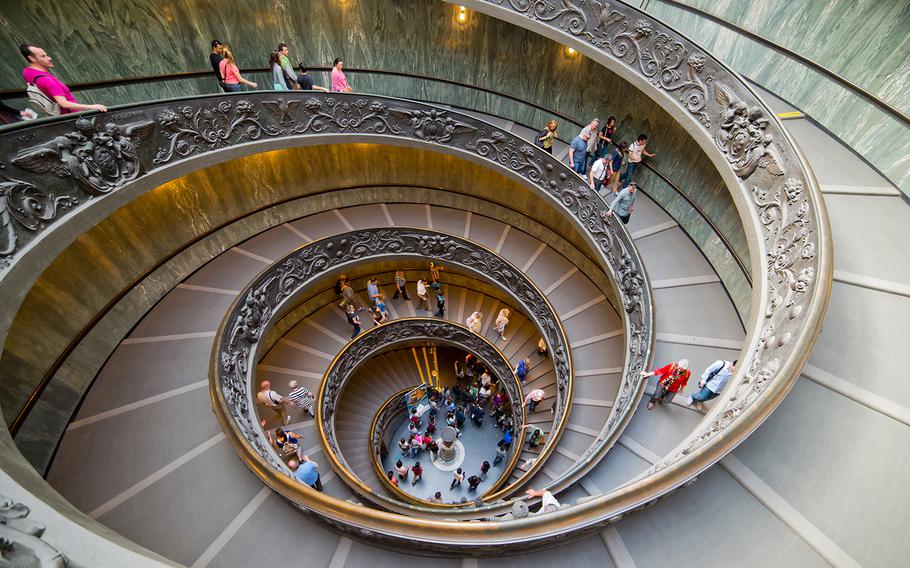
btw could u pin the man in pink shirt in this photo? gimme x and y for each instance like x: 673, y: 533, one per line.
x: 38, y: 73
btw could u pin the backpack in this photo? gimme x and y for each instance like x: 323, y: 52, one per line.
x: 41, y: 103
x: 541, y: 134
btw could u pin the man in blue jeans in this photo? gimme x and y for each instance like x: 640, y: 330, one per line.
x: 634, y: 157
x: 713, y: 380
x: 578, y: 153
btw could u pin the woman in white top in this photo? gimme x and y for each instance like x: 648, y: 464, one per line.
x: 502, y: 320
x: 474, y: 322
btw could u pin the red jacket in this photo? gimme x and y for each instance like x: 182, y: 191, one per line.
x: 672, y: 378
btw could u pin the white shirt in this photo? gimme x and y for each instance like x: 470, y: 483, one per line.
x: 635, y: 151
x: 269, y: 398
x: 719, y: 380
x: 421, y: 289
x: 501, y: 322
x: 599, y: 169
x: 548, y: 503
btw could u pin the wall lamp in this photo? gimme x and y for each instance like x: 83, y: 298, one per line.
x: 461, y: 15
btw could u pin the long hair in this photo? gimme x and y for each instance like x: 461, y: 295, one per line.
x: 274, y: 59
x: 227, y: 54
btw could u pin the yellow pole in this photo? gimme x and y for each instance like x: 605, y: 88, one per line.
x: 417, y: 362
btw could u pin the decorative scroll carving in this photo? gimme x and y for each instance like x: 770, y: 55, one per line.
x: 20, y: 539
x: 434, y: 125
x: 741, y: 135
x: 100, y: 160
x: 251, y: 317
x: 24, y: 206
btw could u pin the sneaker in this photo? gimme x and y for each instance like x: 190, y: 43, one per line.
x: 689, y: 401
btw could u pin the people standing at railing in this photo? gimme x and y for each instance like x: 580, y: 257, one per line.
x: 306, y: 471
x: 635, y: 152
x: 547, y: 136
x: 339, y: 80
x: 306, y: 82
x: 286, y: 68
x: 230, y: 73
x: 713, y: 380
x: 279, y: 83
x: 671, y: 379
x: 578, y: 153
x: 47, y: 94
x: 215, y: 58
x: 624, y: 203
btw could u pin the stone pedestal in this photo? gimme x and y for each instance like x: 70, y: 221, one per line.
x: 447, y: 451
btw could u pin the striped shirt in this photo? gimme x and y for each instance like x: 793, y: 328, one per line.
x: 301, y: 397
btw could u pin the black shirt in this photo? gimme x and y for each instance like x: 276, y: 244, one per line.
x: 306, y: 82
x: 216, y: 64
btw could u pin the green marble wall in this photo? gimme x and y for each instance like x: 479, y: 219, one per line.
x: 864, y: 41
x: 96, y: 39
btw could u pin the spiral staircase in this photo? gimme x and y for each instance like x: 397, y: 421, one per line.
x: 146, y: 457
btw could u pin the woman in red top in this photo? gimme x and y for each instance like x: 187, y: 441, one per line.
x: 672, y: 379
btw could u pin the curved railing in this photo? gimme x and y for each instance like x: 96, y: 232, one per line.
x: 389, y: 336
x: 772, y: 187
x: 275, y: 290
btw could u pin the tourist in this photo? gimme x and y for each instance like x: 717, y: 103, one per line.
x: 713, y: 380
x: 433, y: 448
x: 578, y: 154
x: 422, y: 295
x: 379, y: 316
x: 477, y: 414
x: 274, y: 401
x: 354, y: 320
x: 470, y: 366
x: 497, y: 401
x: 591, y: 132
x: 450, y: 419
x: 624, y: 203
x: 507, y: 439
x: 542, y: 348
x: 215, y: 59
x: 547, y: 136
x: 404, y: 447
x: 459, y: 370
x: 278, y: 81
x: 459, y: 417
x: 349, y: 297
x: 450, y: 405
x: 548, y: 503
x: 457, y: 478
x: 392, y: 479
x: 339, y: 80
x: 287, y: 438
x: 535, y: 438
x: 48, y: 94
x: 401, y: 469
x: 286, y: 69
x: 605, y: 137
x: 414, y: 417
x: 502, y: 320
x: 500, y: 453
x: 484, y: 394
x: 485, y: 378
x: 484, y: 468
x: 305, y: 80
x: 634, y: 157
x: 431, y: 424
x: 600, y: 173
x: 418, y: 473
x: 373, y: 290
x: 440, y: 303
x: 616, y: 162
x: 474, y: 322
x: 302, y: 398
x: 230, y: 73
x: 416, y: 444
x: 521, y: 370
x: 306, y: 472
x: 401, y: 286
x: 436, y: 498
x: 672, y: 378
x: 533, y: 399
x: 473, y: 482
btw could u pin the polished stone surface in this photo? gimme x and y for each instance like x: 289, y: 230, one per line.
x: 864, y: 41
